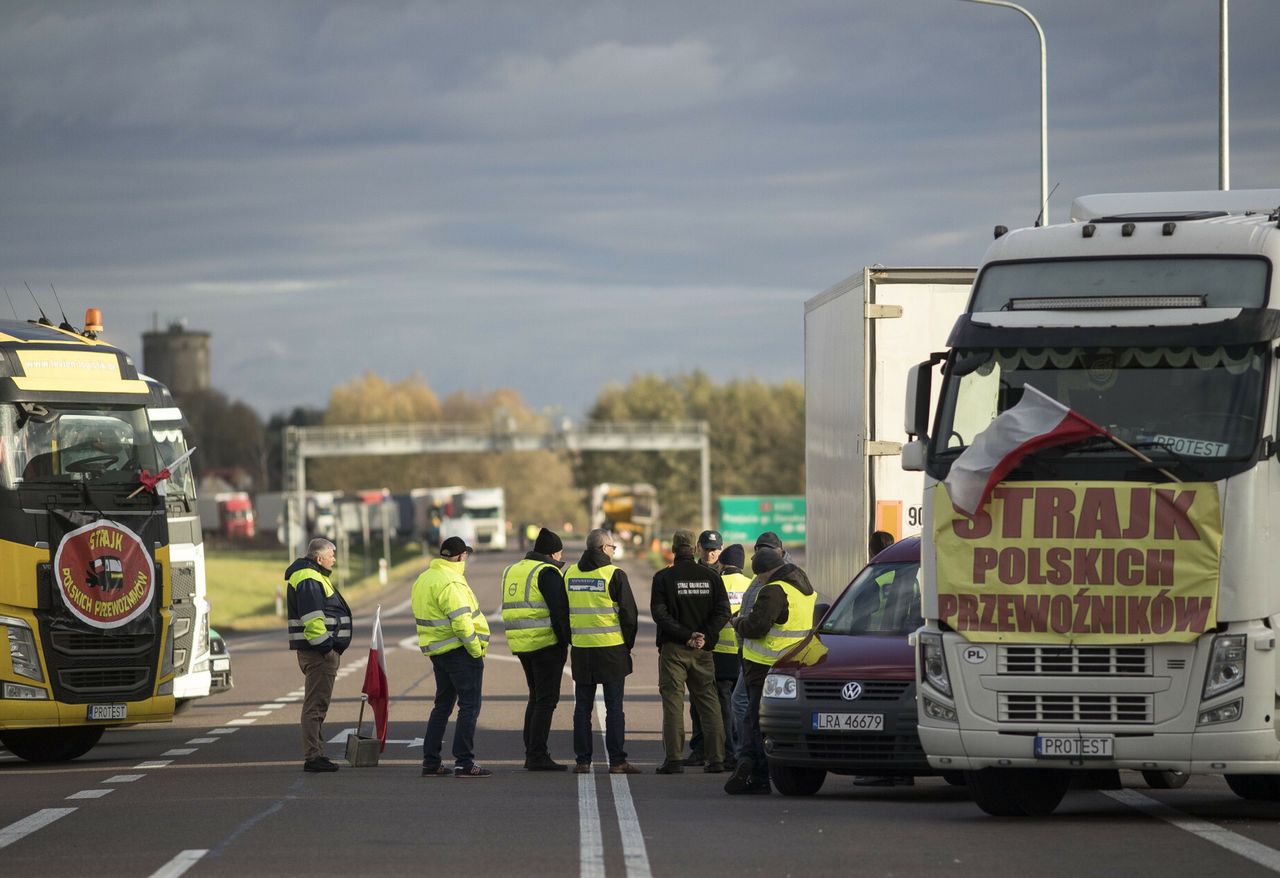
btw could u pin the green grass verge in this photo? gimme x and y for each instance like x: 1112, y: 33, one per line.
x: 242, y: 582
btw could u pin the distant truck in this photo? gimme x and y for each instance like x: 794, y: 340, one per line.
x: 628, y: 510
x: 860, y: 339
x: 235, y: 515
x: 485, y: 509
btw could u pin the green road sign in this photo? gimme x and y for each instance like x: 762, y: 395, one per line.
x: 742, y: 519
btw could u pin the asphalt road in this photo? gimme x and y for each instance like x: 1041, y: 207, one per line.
x: 221, y: 792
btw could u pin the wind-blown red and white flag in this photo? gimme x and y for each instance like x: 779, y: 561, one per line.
x: 1037, y: 421
x: 375, y: 681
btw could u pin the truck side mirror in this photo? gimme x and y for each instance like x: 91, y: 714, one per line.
x: 919, y: 385
x: 913, y: 456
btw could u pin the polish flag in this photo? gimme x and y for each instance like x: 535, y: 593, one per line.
x: 375, y: 681
x: 1036, y: 422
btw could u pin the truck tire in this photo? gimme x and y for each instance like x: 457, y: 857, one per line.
x: 1018, y: 792
x: 51, y: 745
x: 793, y: 781
x: 1255, y: 787
x: 1165, y: 780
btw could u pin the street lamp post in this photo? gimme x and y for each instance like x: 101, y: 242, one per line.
x: 1044, y: 107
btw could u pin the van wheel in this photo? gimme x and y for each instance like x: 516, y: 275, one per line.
x: 1018, y: 792
x: 51, y: 745
x: 1255, y: 787
x: 793, y: 781
x: 1166, y: 780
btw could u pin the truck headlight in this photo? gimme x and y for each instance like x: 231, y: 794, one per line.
x: 1226, y: 664
x: 933, y: 662
x: 779, y: 686
x: 22, y: 649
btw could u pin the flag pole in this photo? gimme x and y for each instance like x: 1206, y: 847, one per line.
x: 1138, y: 454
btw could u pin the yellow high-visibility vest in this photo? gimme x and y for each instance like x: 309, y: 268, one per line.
x: 593, y: 616
x: 524, y: 610
x: 768, y: 649
x: 735, y: 584
x: 447, y: 612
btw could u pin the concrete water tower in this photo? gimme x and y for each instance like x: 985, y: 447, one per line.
x: 178, y: 357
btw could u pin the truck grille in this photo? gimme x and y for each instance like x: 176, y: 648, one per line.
x: 98, y: 643
x: 872, y: 690
x: 1054, y: 707
x: 1078, y: 661
x: 102, y: 681
x: 182, y: 575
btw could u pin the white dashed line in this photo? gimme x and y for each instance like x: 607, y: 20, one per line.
x: 1203, y: 829
x: 222, y: 731
x: 203, y: 741
x: 27, y: 825
x: 179, y: 864
x: 271, y: 706
x: 124, y: 778
x: 242, y: 722
x: 89, y: 794
x: 154, y: 763
x: 179, y: 751
x: 258, y: 713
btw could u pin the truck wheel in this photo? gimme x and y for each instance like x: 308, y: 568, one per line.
x: 1255, y: 787
x: 51, y: 745
x: 793, y: 781
x: 1166, y: 780
x: 1018, y: 792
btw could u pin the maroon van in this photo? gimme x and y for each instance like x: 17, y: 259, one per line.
x: 844, y: 700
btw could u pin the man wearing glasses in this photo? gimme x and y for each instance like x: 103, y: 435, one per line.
x: 602, y: 624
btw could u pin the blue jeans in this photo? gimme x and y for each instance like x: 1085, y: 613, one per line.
x: 615, y: 724
x: 741, y: 705
x: 458, y: 679
x: 753, y: 743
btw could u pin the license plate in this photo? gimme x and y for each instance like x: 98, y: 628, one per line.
x: 221, y: 664
x: 108, y: 711
x: 1073, y: 747
x: 848, y: 722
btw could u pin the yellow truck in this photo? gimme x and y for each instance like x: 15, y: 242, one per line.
x: 86, y: 636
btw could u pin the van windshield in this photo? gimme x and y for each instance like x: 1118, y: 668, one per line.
x: 44, y: 442
x: 882, y: 599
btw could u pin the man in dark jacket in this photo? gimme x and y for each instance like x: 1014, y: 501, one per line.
x: 536, y: 616
x: 319, y: 631
x: 710, y: 546
x: 690, y: 607
x: 780, y: 617
x: 603, y: 621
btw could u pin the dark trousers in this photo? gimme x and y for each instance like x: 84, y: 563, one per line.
x: 615, y: 722
x: 753, y: 747
x: 724, y: 689
x: 542, y: 671
x: 458, y: 680
x: 319, y: 669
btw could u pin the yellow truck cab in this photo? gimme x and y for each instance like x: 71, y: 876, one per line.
x: 85, y: 621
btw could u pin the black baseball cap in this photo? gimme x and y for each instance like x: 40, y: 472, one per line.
x: 710, y: 539
x: 454, y: 546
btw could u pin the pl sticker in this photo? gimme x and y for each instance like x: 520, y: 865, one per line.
x: 104, y: 573
x: 975, y: 655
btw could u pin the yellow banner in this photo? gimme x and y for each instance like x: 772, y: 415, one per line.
x: 1080, y: 562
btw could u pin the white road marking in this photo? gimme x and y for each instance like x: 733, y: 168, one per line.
x: 289, y: 699
x: 341, y: 738
x: 124, y: 778
x: 634, y: 853
x: 242, y: 722
x: 1203, y: 829
x: 154, y: 763
x: 179, y: 864
x: 179, y: 751
x: 271, y: 706
x: 222, y: 731
x: 590, y: 840
x: 203, y: 741
x: 258, y: 713
x: 89, y: 794
x: 27, y: 825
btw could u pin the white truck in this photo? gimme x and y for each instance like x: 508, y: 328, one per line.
x: 1104, y: 610
x: 485, y: 511
x: 860, y: 338
x: 186, y: 549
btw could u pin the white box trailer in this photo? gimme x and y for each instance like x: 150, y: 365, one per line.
x: 860, y: 339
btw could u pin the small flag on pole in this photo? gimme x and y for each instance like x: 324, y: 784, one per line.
x: 375, y: 681
x: 1037, y: 421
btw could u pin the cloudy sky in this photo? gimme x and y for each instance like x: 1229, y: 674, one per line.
x: 548, y: 194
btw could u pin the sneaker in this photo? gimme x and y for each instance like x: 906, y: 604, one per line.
x: 320, y: 764
x: 694, y: 759
x: 438, y: 771
x: 670, y: 767
x: 623, y: 768
x: 738, y: 782
x: 471, y: 770
x: 713, y: 768
x: 582, y: 768
x: 546, y: 763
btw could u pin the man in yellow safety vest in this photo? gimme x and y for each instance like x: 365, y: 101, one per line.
x: 780, y: 618
x: 454, y: 634
x: 535, y: 615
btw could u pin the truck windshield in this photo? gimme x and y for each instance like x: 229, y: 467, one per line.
x: 171, y: 444
x: 42, y: 442
x: 1190, y: 402
x: 1223, y: 283
x: 481, y: 511
x: 882, y: 599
